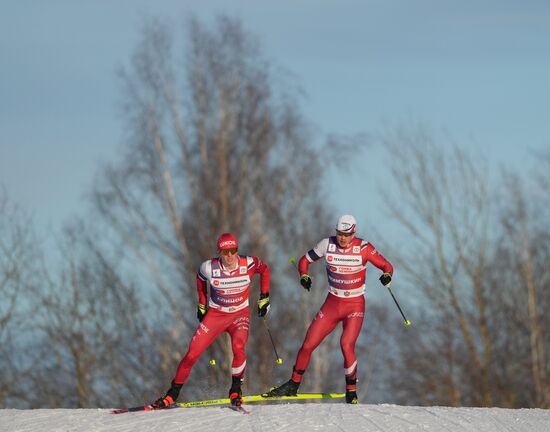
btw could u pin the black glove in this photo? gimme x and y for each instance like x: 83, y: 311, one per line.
x: 385, y: 279
x: 201, y: 312
x: 305, y: 280
x: 263, y: 305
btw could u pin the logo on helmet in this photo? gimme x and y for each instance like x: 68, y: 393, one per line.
x: 228, y: 244
x: 227, y: 241
x: 346, y: 223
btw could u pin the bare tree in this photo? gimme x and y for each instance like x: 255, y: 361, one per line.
x: 443, y: 205
x: 480, y: 264
x: 94, y: 342
x: 20, y: 267
x: 524, y: 249
x: 212, y: 147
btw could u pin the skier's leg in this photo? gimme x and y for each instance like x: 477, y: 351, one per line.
x: 323, y: 324
x: 352, y: 324
x: 238, y: 332
x: 213, y: 324
x: 210, y: 328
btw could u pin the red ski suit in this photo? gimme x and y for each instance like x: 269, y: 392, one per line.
x: 227, y: 310
x: 346, y: 272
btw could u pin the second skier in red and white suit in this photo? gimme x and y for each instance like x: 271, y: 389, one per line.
x: 346, y: 258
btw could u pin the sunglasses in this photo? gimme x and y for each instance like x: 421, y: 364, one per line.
x: 343, y: 234
x: 232, y: 251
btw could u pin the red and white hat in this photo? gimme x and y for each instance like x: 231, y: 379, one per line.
x: 347, y: 224
x: 227, y: 241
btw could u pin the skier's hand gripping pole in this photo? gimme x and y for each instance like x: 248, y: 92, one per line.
x: 305, y: 280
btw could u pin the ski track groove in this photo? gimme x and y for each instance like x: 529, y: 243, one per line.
x: 321, y: 418
x: 441, y: 420
x: 506, y: 423
x: 371, y: 421
x: 394, y: 416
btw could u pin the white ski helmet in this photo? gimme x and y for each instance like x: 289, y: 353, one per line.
x: 347, y: 224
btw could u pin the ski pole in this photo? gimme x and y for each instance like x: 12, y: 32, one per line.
x: 407, y: 322
x: 279, y: 359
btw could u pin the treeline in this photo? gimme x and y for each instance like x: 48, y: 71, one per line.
x: 216, y: 142
x: 476, y: 250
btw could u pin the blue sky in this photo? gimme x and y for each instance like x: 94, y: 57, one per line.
x: 476, y: 71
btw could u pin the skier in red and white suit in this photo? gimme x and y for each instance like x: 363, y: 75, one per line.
x: 346, y: 258
x: 228, y: 276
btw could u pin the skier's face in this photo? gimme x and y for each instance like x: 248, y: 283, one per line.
x: 343, y: 238
x: 229, y: 257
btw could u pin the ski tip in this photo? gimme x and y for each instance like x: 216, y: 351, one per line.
x: 135, y: 409
x: 119, y: 411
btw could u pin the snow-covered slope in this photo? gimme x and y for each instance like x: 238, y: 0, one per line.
x: 282, y: 418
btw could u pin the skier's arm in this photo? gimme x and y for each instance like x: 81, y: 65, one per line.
x: 376, y: 258
x: 201, y: 290
x: 312, y: 255
x: 202, y: 283
x: 303, y: 265
x: 265, y: 276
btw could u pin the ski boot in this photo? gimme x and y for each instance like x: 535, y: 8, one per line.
x: 351, y: 390
x: 290, y: 388
x: 235, y: 392
x: 169, y: 398
x: 351, y: 397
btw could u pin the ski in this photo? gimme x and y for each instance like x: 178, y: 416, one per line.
x: 264, y: 397
x: 261, y: 398
x: 138, y: 409
x: 226, y: 401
